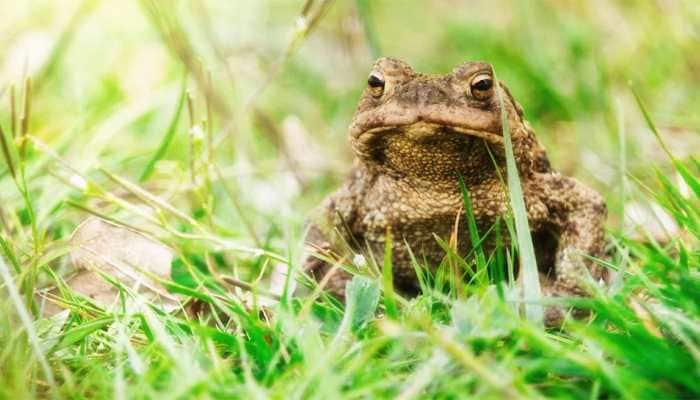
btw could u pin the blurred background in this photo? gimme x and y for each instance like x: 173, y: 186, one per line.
x: 272, y: 85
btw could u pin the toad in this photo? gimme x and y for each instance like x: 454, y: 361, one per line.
x: 415, y: 136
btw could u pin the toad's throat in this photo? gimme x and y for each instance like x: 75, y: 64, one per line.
x: 432, y: 155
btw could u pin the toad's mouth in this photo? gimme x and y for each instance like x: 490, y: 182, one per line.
x: 420, y: 130
x: 422, y: 140
x: 365, y: 141
x: 423, y: 129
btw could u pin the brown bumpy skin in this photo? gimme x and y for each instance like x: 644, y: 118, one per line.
x: 414, y: 135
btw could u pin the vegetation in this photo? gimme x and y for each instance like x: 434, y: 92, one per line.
x: 216, y: 126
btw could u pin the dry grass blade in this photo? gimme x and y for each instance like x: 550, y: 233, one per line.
x: 165, y: 20
x: 6, y: 152
x: 239, y: 208
x: 268, y: 126
x: 24, y: 118
x: 309, y: 17
x: 13, y: 111
x: 150, y: 198
x: 249, y: 287
x: 207, y: 25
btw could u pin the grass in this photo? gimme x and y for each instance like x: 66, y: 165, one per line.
x: 224, y: 166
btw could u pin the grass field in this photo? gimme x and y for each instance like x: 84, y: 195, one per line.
x: 217, y: 126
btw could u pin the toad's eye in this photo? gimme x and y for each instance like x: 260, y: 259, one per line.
x: 481, y: 86
x: 376, y: 83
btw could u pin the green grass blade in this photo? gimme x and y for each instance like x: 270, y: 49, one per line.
x: 81, y: 331
x: 688, y: 177
x: 169, y: 134
x: 532, y: 293
x: 388, y: 279
x: 26, y: 319
x: 473, y: 230
x: 362, y: 297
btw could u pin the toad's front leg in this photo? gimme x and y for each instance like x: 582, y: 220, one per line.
x: 332, y: 233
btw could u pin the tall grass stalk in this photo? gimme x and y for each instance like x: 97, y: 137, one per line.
x: 532, y: 294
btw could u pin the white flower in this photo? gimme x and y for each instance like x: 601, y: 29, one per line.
x: 197, y: 133
x: 78, y: 182
x: 359, y: 260
x: 302, y: 25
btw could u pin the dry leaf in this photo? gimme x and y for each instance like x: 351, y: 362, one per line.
x: 103, y: 248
